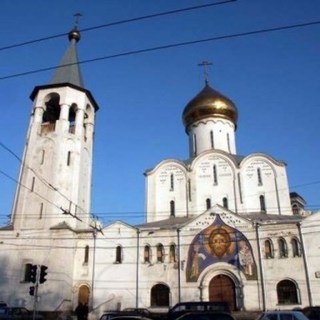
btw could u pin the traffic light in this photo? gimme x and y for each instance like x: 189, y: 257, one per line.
x: 31, y: 291
x: 43, y: 274
x: 33, y: 273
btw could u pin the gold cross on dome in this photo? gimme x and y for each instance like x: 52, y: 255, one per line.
x: 205, y: 65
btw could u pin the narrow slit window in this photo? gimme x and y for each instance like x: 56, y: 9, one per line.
x: 41, y: 210
x: 215, y: 176
x: 262, y: 204
x: 208, y: 203
x: 225, y: 203
x: 194, y: 144
x: 119, y: 254
x: 172, y: 253
x: 86, y: 254
x: 147, y: 254
x: 189, y: 189
x: 211, y: 139
x: 268, y: 249
x: 42, y: 157
x: 32, y: 184
x: 228, y: 141
x: 259, y: 177
x: 69, y: 158
x: 160, y: 253
x: 172, y: 208
x: 171, y: 182
x: 283, y: 250
x: 296, y: 251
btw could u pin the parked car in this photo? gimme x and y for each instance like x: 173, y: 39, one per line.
x: 201, y: 306
x: 282, y: 315
x: 129, y: 312
x: 130, y: 317
x: 206, y: 315
x: 312, y: 313
x: 17, y: 313
x: 142, y: 311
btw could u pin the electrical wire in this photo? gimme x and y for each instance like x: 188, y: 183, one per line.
x: 167, y: 46
x: 150, y: 16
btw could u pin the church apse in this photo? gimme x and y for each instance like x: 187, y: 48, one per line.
x: 220, y: 243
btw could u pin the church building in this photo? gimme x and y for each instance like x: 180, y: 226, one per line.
x: 220, y: 226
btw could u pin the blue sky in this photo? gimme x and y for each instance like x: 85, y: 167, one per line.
x: 273, y: 78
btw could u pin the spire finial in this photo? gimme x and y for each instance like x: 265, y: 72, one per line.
x: 205, y: 65
x: 74, y: 34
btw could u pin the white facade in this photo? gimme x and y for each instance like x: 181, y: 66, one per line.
x: 219, y: 225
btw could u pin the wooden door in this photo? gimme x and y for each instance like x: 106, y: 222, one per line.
x: 222, y: 288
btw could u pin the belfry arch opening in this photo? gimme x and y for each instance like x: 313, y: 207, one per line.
x: 52, y: 108
x: 222, y: 288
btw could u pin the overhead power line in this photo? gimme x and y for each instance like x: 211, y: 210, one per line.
x: 111, y: 24
x: 169, y: 46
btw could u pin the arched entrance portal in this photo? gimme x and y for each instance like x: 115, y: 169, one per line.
x: 84, y: 294
x: 222, y: 288
x: 160, y: 295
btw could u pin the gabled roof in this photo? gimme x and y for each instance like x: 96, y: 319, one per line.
x: 170, y: 223
x: 264, y: 218
x: 174, y: 223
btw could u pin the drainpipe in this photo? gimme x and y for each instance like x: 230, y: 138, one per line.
x: 305, y: 263
x: 93, y: 267
x: 179, y: 265
x: 137, y: 269
x: 261, y: 268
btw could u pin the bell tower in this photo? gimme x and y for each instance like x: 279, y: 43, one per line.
x: 55, y: 176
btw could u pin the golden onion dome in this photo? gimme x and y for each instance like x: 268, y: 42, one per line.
x: 209, y: 103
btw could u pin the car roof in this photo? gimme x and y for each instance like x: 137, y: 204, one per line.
x: 123, y: 317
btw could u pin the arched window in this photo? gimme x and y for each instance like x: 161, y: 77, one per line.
x: 287, y: 292
x: 147, y: 254
x: 296, y: 249
x: 262, y: 204
x: 208, y: 203
x: 283, y: 249
x: 72, y: 118
x: 172, y: 208
x: 295, y: 209
x: 52, y: 110
x: 160, y: 253
x: 118, y: 254
x: 225, y: 203
x: 160, y: 294
x: 172, y: 253
x: 268, y: 249
x: 86, y: 255
x: 259, y: 177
